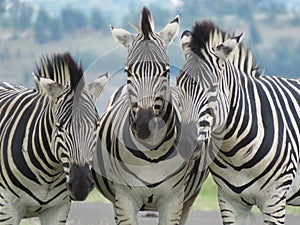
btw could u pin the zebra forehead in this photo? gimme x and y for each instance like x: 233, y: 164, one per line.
x: 197, y: 73
x: 147, y: 51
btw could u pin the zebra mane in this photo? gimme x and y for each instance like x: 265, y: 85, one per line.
x: 147, y: 24
x: 62, y: 69
x: 206, y: 34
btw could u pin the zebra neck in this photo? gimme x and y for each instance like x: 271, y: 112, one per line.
x: 40, y: 132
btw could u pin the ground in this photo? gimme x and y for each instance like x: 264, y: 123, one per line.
x: 102, y: 214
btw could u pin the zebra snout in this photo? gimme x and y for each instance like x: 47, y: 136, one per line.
x: 187, y: 143
x: 145, y: 123
x: 80, y: 183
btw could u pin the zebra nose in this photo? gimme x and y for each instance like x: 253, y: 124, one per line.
x: 144, y: 124
x: 187, y: 143
x: 80, y: 183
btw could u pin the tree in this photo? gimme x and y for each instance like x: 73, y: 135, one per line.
x: 2, y: 7
x: 96, y: 19
x: 41, y: 27
x: 72, y: 19
x: 55, y: 29
x: 255, y: 36
x: 24, y: 18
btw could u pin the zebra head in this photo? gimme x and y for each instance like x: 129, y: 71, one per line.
x: 148, y: 75
x: 203, y: 93
x: 74, y: 117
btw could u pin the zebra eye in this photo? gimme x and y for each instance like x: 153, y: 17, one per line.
x: 97, y: 122
x: 58, y: 126
x: 159, y: 105
x: 166, y: 73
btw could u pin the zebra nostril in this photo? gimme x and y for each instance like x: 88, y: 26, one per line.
x: 80, y: 183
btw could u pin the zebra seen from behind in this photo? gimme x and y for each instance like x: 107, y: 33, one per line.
x: 138, y: 166
x: 47, y: 141
x: 248, y: 121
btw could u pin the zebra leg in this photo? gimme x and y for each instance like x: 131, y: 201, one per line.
x: 170, y: 208
x: 233, y: 212
x: 55, y: 215
x: 273, y: 210
x: 187, y: 208
x: 125, y: 207
x: 10, y: 211
x: 293, y: 195
x: 9, y: 214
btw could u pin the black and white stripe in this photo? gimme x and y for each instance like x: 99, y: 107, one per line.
x: 138, y: 166
x: 47, y: 140
x: 251, y: 122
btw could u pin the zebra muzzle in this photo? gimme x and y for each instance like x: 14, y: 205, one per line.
x: 80, y: 183
x: 145, y: 124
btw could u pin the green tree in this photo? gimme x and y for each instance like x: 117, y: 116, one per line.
x: 41, y: 27
x: 97, y: 20
x: 24, y: 18
x: 73, y: 19
x: 2, y: 7
x: 55, y: 29
x: 255, y: 36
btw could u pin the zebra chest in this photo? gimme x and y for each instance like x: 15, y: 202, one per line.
x: 140, y: 172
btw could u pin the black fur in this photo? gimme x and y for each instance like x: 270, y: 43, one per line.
x: 201, y: 32
x: 145, y: 23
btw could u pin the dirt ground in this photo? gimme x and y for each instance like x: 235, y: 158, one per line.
x: 102, y: 214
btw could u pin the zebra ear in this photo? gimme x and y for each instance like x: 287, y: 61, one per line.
x: 169, y: 31
x: 122, y: 36
x: 96, y: 87
x: 185, y: 42
x: 223, y: 50
x: 48, y: 86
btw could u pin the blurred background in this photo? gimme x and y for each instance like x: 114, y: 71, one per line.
x: 32, y: 28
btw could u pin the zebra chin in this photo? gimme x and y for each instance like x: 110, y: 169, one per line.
x: 145, y: 124
x: 80, y: 183
x: 188, y: 144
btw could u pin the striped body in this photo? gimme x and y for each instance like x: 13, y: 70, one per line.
x: 138, y: 166
x: 149, y: 178
x: 24, y: 170
x: 44, y: 153
x: 253, y: 140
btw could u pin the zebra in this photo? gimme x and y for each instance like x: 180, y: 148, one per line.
x: 47, y: 140
x: 248, y: 121
x: 138, y: 166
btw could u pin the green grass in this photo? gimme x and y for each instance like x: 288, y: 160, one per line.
x: 207, y: 199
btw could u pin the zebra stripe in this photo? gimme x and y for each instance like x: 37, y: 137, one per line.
x: 47, y: 139
x: 252, y: 144
x: 138, y: 166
